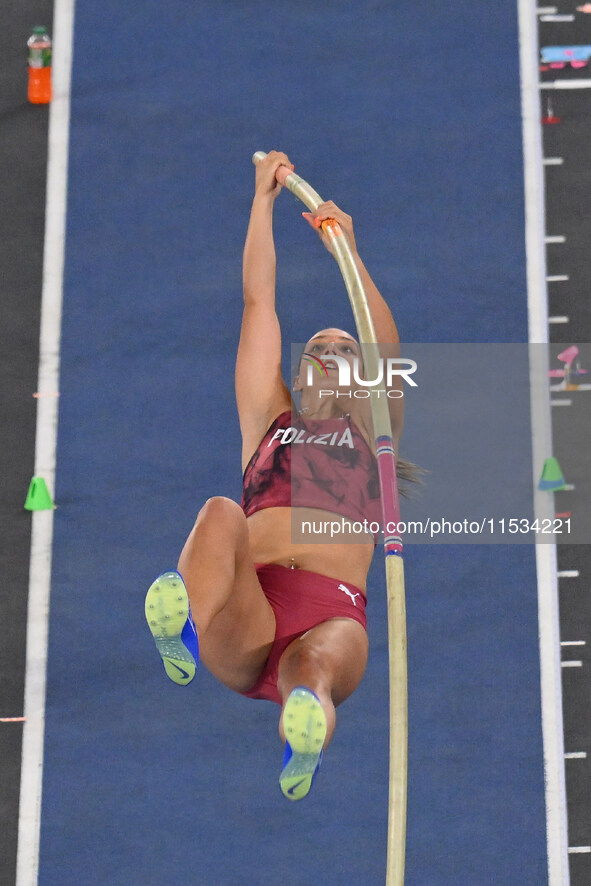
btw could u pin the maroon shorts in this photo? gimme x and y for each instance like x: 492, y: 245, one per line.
x: 301, y: 600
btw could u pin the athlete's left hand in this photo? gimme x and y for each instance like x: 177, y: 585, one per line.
x: 331, y: 210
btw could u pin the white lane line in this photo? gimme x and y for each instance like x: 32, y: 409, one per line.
x: 553, y: 161
x: 561, y: 403
x: 541, y: 425
x: 576, y: 755
x: 546, y: 10
x: 566, y: 84
x: 557, y: 18
x: 568, y: 573
x: 45, y: 450
x: 557, y: 278
x: 572, y: 664
x: 573, y: 643
x: 579, y: 849
x: 562, y: 318
x: 558, y: 238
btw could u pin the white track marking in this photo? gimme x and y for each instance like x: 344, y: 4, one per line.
x: 541, y: 423
x: 566, y: 84
x: 45, y: 450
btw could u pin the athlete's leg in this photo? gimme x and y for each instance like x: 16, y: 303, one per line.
x: 316, y: 672
x: 235, y: 623
x: 329, y: 659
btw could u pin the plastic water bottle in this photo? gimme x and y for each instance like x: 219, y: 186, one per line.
x: 39, y: 44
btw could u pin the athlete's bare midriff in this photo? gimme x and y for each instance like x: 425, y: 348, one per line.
x: 272, y: 532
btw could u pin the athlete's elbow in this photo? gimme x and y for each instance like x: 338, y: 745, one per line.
x: 258, y: 294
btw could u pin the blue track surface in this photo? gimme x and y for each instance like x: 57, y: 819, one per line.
x: 409, y: 118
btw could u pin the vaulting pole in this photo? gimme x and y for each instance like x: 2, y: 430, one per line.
x: 392, y: 542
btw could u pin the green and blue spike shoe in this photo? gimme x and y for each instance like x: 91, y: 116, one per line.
x: 304, y: 724
x: 169, y: 618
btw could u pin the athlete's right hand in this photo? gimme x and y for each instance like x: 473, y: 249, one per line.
x: 265, y: 181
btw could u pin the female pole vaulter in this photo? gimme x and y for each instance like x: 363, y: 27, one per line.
x: 271, y: 617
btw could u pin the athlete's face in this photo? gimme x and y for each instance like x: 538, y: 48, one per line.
x: 333, y: 341
x: 326, y: 342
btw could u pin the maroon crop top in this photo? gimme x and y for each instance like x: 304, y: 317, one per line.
x: 313, y: 463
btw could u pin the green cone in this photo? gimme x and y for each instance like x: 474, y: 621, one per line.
x: 552, y: 478
x: 38, y: 497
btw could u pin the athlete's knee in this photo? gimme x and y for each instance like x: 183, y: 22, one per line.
x: 329, y: 659
x: 221, y: 512
x: 303, y: 664
x: 303, y: 660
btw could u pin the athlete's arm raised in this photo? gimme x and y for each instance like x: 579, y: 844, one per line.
x: 261, y: 393
x: 381, y: 315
